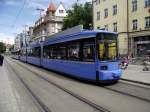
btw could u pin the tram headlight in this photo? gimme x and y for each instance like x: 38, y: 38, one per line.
x: 104, y: 68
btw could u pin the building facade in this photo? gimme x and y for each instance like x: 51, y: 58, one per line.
x: 50, y: 23
x: 130, y: 18
x: 19, y: 42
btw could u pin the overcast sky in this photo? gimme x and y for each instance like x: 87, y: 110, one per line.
x: 16, y: 13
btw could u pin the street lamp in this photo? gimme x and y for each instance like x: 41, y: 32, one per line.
x: 25, y: 26
x: 40, y: 10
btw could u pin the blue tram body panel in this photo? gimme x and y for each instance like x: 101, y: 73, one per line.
x: 34, y: 60
x: 85, y: 70
x: 23, y: 58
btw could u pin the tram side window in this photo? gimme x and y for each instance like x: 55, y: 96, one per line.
x: 73, y: 51
x: 31, y: 52
x: 23, y: 52
x: 28, y: 52
x: 53, y: 52
x: 88, y: 51
x: 62, y: 52
x: 36, y: 52
x: 46, y: 52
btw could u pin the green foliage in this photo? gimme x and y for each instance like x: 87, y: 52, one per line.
x: 2, y: 47
x: 80, y: 14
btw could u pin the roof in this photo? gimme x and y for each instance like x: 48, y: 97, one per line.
x: 51, y: 7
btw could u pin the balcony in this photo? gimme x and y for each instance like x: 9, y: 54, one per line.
x: 48, y: 18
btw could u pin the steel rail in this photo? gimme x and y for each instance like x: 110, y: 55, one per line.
x: 137, y: 82
x: 134, y: 84
x: 42, y: 105
x: 127, y: 94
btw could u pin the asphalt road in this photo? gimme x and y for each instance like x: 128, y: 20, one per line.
x: 15, y: 97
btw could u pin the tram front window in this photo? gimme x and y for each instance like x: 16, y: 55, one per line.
x: 107, y: 47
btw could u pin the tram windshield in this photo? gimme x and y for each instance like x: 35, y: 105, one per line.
x: 107, y: 47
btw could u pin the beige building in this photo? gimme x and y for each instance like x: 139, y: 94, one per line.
x: 130, y: 18
x: 50, y: 23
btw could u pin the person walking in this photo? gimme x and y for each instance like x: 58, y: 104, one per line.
x: 1, y: 60
x: 125, y: 63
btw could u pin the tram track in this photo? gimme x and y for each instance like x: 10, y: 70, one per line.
x: 41, y: 104
x: 82, y: 99
x: 131, y: 84
x: 106, y: 87
x: 136, y: 82
x: 127, y: 94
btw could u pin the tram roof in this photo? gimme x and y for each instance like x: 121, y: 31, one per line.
x: 75, y: 36
x: 34, y: 44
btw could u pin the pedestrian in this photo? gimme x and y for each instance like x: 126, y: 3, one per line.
x: 125, y: 62
x: 1, y: 60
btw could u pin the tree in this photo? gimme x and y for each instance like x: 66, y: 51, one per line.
x: 80, y: 14
x: 2, y: 47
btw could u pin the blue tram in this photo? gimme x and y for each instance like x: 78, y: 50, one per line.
x: 16, y: 54
x: 34, y: 53
x: 23, y: 54
x: 90, y: 55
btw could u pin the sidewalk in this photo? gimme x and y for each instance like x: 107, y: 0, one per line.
x: 136, y: 73
x: 13, y: 95
x: 8, y: 102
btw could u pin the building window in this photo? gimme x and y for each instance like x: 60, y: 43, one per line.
x: 114, y: 9
x: 115, y: 26
x: 147, y: 22
x: 98, y: 15
x: 97, y: 2
x: 98, y: 27
x: 147, y: 3
x: 105, y: 13
x: 61, y: 11
x: 135, y: 24
x: 134, y: 5
x: 106, y: 27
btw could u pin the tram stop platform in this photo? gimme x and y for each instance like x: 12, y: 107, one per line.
x: 136, y: 73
